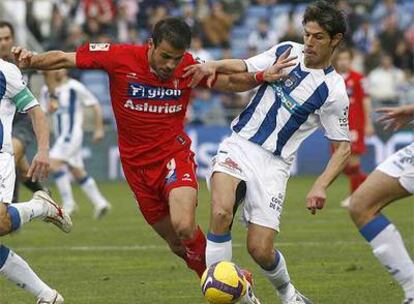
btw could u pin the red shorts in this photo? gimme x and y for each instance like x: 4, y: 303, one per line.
x: 357, y: 141
x: 152, y: 184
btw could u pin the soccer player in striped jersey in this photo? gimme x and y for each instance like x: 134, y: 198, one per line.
x: 254, y: 162
x: 392, y: 180
x: 15, y: 95
x: 65, y: 98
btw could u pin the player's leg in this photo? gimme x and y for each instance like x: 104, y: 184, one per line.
x: 22, y: 169
x: 15, y: 269
x: 91, y: 190
x: 223, y: 198
x: 355, y: 175
x: 367, y: 202
x: 63, y: 184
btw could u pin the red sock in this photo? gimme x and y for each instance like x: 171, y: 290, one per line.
x: 196, y: 252
x: 355, y: 175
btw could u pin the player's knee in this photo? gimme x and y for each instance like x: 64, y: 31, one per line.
x: 261, y: 252
x: 5, y: 222
x: 177, y: 248
x: 184, y: 229
x: 222, y: 215
x: 359, y: 207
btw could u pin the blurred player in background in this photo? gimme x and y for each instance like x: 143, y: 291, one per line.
x: 392, y: 180
x: 22, y: 127
x: 360, y: 124
x: 65, y: 99
x: 15, y: 95
x: 149, y: 97
x: 253, y: 164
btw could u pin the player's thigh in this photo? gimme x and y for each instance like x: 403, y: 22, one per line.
x: 223, y: 193
x: 378, y: 190
x: 18, y: 149
x: 8, y: 177
x: 5, y: 223
x: 182, y: 203
x: 23, y: 166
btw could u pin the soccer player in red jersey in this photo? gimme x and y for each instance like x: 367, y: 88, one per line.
x: 149, y: 97
x: 360, y: 124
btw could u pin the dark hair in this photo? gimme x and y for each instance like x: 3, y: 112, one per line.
x: 327, y: 16
x: 173, y: 30
x: 9, y: 25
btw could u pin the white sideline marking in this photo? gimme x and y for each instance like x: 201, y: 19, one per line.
x: 165, y: 248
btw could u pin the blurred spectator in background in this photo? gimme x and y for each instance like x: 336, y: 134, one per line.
x: 390, y: 35
x: 190, y: 18
x: 198, y: 50
x: 76, y: 37
x: 217, y: 26
x: 291, y: 32
x: 235, y: 8
x: 160, y: 12
x: 103, y: 11
x: 364, y: 36
x: 373, y: 57
x: 206, y: 108
x: 403, y: 56
x: 262, y: 38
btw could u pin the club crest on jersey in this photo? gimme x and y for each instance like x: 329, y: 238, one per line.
x: 93, y: 47
x: 142, y: 91
x: 287, y: 101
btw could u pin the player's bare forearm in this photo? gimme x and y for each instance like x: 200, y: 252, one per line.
x: 336, y: 164
x: 53, y: 60
x: 239, y: 82
x: 40, y: 127
x: 98, y: 117
x: 229, y: 66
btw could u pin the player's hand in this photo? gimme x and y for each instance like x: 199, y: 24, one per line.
x: 53, y: 105
x: 22, y: 57
x: 39, y: 168
x: 98, y: 135
x: 199, y: 72
x: 316, y: 199
x: 275, y: 72
x: 395, y: 118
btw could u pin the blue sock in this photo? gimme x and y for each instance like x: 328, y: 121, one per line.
x: 275, y: 264
x: 14, y: 217
x: 374, y: 227
x: 4, y: 254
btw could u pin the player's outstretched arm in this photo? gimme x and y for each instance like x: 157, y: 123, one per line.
x: 39, y: 168
x: 240, y: 82
x: 395, y: 118
x: 209, y: 70
x: 316, y: 197
x: 51, y: 60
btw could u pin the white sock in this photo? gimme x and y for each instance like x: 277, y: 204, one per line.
x: 15, y: 269
x: 389, y: 249
x: 89, y: 187
x: 279, y: 278
x: 219, y: 248
x: 22, y: 213
x: 62, y: 181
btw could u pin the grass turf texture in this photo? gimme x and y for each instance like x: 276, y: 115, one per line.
x: 121, y: 260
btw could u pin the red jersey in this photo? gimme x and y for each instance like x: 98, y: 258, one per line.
x: 149, y: 112
x: 356, y: 93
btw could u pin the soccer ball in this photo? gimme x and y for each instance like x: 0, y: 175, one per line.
x: 223, y: 283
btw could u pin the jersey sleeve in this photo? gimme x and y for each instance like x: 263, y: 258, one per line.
x: 101, y: 56
x: 17, y: 90
x: 87, y: 98
x: 334, y: 116
x: 264, y: 60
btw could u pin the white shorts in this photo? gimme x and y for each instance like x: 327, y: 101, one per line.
x: 69, y: 152
x: 7, y: 177
x: 401, y: 165
x: 265, y: 175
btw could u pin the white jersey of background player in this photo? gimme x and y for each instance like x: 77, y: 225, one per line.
x: 258, y: 155
x: 66, y: 104
x: 15, y: 95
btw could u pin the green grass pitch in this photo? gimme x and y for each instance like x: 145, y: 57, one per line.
x: 121, y: 260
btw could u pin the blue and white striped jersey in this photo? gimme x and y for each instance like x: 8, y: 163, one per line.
x: 13, y: 95
x: 72, y: 97
x: 283, y: 114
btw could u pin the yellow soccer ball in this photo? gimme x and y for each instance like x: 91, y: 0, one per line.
x: 223, y: 283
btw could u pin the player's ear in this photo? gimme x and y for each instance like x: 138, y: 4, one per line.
x: 336, y: 39
x: 151, y: 42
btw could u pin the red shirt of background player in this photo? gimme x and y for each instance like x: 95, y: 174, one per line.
x: 149, y: 112
x: 356, y: 93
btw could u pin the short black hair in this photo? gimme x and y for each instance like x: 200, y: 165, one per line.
x: 173, y: 30
x: 327, y: 16
x: 7, y: 24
